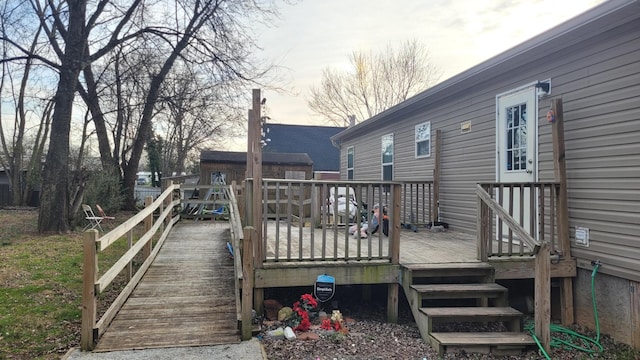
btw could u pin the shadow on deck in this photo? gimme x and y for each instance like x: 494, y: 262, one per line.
x: 186, y: 297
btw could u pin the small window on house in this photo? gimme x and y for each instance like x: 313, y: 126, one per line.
x: 350, y: 160
x: 387, y: 157
x: 423, y: 140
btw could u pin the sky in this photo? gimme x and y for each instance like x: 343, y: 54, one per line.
x: 312, y: 35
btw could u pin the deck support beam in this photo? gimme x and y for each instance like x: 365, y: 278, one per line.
x: 542, y: 296
x: 88, y: 336
x: 296, y: 274
x: 247, y: 283
x: 560, y: 172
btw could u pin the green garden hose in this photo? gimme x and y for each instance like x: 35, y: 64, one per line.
x: 572, y: 336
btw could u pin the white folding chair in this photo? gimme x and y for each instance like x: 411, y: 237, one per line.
x: 94, y: 221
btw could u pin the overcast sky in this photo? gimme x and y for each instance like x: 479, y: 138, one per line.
x: 315, y: 34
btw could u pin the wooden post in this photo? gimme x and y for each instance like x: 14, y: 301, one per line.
x: 255, y: 121
x: 436, y: 176
x: 251, y: 138
x: 543, y: 296
x: 148, y: 223
x: 393, y: 290
x: 560, y: 172
x: 481, y: 241
x: 247, y: 282
x: 130, y: 265
x: 89, y: 277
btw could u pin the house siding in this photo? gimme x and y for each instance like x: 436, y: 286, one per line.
x: 594, y: 68
x: 599, y: 82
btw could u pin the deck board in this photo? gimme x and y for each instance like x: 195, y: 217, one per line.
x: 421, y: 247
x: 186, y: 298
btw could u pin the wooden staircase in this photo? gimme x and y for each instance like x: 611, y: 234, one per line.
x: 465, y: 296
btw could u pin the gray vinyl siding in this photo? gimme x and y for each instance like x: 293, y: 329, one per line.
x: 598, y: 79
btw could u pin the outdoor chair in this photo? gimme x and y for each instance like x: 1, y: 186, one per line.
x: 93, y: 220
x: 102, y: 214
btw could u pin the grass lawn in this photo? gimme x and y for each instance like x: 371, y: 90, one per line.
x: 41, y: 287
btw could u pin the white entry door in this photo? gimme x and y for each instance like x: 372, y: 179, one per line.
x: 516, y: 160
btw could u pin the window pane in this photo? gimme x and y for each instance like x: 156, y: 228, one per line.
x: 422, y: 148
x: 516, y: 137
x: 350, y: 158
x: 350, y: 174
x: 387, y: 172
x: 387, y: 149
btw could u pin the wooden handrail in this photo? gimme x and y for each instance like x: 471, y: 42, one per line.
x: 541, y: 252
x: 508, y: 219
x: 93, y: 286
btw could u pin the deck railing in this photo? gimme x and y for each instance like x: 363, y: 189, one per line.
x: 306, y: 220
x: 93, y: 285
x: 531, y: 206
x: 419, y: 203
x: 495, y: 224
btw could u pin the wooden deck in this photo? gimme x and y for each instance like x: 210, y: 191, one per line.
x: 186, y: 298
x: 421, y: 247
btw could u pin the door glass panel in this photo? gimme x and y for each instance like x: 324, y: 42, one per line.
x: 516, y: 151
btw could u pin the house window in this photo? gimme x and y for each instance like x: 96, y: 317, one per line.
x: 350, y: 159
x: 423, y: 140
x: 387, y: 157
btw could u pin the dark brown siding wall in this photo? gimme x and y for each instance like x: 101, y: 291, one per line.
x: 237, y: 171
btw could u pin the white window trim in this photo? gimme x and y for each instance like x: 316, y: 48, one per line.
x: 393, y: 157
x: 351, y: 149
x: 416, y: 141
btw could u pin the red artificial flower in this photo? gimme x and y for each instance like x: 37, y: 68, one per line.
x: 326, y: 324
x: 309, y: 300
x: 304, y: 325
x: 336, y: 326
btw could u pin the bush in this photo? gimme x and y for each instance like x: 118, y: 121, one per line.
x: 103, y: 187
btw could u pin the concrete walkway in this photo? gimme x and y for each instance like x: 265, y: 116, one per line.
x: 246, y: 350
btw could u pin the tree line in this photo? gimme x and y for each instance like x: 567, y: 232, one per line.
x: 165, y: 76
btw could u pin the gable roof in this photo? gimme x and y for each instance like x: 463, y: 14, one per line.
x: 601, y: 18
x: 313, y: 140
x: 239, y: 157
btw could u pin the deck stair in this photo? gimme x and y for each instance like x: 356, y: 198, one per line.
x: 465, y: 297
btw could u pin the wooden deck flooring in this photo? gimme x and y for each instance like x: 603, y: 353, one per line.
x: 186, y: 298
x: 421, y: 247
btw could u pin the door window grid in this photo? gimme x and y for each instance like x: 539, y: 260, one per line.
x: 516, y: 151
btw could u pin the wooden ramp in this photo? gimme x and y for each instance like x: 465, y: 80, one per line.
x: 186, y: 298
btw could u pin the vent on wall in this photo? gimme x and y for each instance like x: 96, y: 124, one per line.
x: 582, y: 236
x: 465, y: 127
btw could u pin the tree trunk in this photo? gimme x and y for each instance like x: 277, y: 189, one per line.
x: 54, y: 203
x: 131, y: 168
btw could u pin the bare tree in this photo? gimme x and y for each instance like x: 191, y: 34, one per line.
x: 79, y: 33
x: 21, y: 151
x: 206, y: 35
x: 197, y: 112
x: 374, y: 83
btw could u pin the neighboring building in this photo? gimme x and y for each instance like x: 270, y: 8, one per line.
x: 312, y: 140
x: 232, y: 165
x: 592, y: 62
